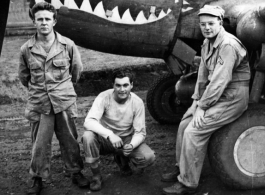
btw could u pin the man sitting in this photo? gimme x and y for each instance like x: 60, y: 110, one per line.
x: 115, y: 125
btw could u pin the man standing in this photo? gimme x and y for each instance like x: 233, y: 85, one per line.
x: 116, y: 124
x: 220, y: 97
x: 49, y: 65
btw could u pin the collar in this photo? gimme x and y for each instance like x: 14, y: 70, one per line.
x: 219, y: 38
x: 33, y: 40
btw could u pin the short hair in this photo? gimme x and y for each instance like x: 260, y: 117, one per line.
x: 42, y: 6
x: 121, y: 73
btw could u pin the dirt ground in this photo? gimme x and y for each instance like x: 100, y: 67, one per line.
x: 15, y: 151
x: 15, y: 145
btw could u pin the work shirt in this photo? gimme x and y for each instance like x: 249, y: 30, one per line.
x: 223, y: 66
x: 49, y: 77
x: 120, y: 119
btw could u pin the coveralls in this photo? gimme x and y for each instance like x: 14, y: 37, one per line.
x: 51, y: 105
x: 222, y: 90
x: 125, y: 120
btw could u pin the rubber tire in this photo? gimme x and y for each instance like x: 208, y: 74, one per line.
x: 221, y: 148
x: 165, y: 112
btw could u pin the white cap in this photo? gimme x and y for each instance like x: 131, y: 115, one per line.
x: 212, y: 10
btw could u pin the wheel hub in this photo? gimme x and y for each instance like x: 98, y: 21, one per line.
x: 249, y: 152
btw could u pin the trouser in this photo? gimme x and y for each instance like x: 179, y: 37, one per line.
x: 42, y: 132
x: 192, y: 142
x: 95, y: 145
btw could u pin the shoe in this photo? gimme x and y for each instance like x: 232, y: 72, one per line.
x: 96, y: 182
x: 178, y: 189
x: 80, y: 180
x: 123, y: 163
x: 171, y: 177
x: 36, y: 186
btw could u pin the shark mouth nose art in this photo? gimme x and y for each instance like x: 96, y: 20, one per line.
x: 114, y: 14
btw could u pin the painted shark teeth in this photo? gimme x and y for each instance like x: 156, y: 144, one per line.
x: 113, y: 15
x: 185, y: 3
x: 86, y: 6
x: 162, y: 14
x: 186, y: 9
x: 70, y: 4
x: 38, y: 1
x: 57, y: 4
x: 99, y: 10
x: 127, y: 17
x: 140, y: 19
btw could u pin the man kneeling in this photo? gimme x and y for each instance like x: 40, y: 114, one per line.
x: 115, y: 125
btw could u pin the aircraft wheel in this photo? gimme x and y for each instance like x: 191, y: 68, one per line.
x: 237, y: 151
x: 161, y: 100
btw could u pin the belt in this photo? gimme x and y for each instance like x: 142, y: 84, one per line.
x: 238, y: 83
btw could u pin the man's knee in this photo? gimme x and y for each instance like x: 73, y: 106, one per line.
x: 144, y: 160
x: 150, y: 158
x: 88, y: 137
x: 184, y: 123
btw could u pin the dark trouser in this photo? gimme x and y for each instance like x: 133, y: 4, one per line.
x: 95, y: 145
x: 42, y: 132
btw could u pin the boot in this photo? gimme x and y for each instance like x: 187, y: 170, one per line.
x: 36, y: 186
x: 96, y: 182
x: 123, y: 163
x: 171, y: 177
x: 178, y: 189
x: 79, y: 179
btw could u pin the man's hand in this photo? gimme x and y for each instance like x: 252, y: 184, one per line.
x: 198, y: 118
x: 127, y: 149
x: 116, y: 141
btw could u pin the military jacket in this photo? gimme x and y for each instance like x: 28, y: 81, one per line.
x: 222, y: 67
x: 49, y: 77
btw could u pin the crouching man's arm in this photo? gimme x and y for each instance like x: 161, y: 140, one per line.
x: 139, y: 130
x: 92, y: 123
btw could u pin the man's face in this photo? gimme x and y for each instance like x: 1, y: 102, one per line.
x: 44, y: 22
x: 122, y: 88
x: 210, y: 26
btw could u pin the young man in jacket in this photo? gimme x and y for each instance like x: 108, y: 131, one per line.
x: 221, y: 96
x: 49, y: 66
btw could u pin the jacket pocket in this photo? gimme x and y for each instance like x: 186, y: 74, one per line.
x: 60, y: 68
x: 36, y: 72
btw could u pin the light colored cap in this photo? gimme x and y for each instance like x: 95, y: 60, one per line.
x: 212, y: 10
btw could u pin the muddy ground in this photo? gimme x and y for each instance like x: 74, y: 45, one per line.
x: 15, y: 144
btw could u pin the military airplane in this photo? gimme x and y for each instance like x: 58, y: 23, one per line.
x: 168, y: 29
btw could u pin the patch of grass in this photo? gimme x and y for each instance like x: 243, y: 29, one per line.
x: 11, y: 90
